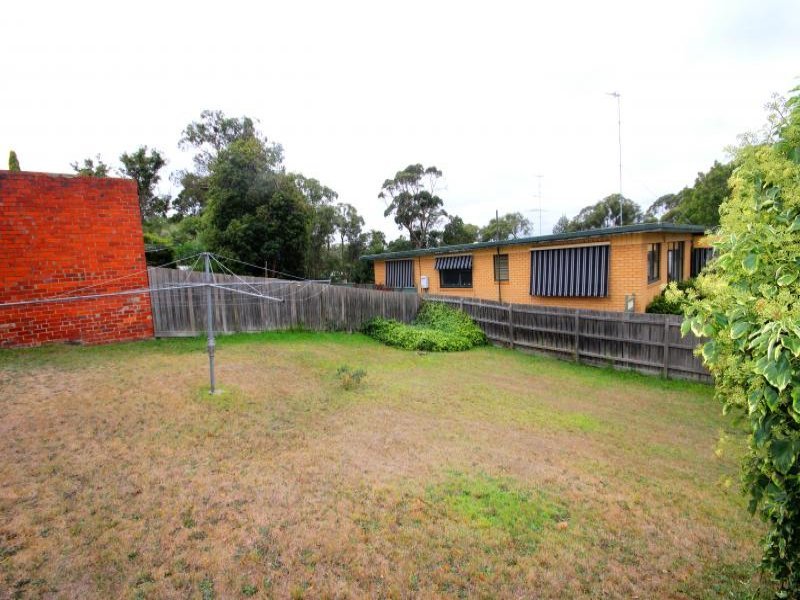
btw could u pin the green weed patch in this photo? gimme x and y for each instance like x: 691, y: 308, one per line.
x: 491, y: 503
x: 437, y: 328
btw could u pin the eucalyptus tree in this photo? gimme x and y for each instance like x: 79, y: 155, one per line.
x: 411, y: 196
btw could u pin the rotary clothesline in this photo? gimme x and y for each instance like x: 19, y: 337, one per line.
x: 209, y: 285
x: 229, y: 286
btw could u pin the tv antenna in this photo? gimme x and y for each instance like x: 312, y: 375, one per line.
x: 619, y: 139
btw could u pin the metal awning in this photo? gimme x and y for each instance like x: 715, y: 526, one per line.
x: 453, y: 262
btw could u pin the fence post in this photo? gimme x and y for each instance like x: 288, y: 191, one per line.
x: 666, y: 346
x: 577, y: 341
x: 461, y: 304
x: 293, y: 307
x: 511, y: 325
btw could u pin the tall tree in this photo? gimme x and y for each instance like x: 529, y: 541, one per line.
x: 606, y: 213
x: 208, y: 136
x: 458, y: 232
x: 143, y: 167
x: 562, y: 225
x: 13, y: 161
x: 90, y: 169
x: 215, y: 132
x: 699, y: 204
x: 372, y: 242
x: 663, y: 208
x: 411, y: 197
x: 400, y: 244
x: 348, y: 224
x: 507, y: 227
x: 192, y: 198
x: 323, y: 224
x: 254, y: 213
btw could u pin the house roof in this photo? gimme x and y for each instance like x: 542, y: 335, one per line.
x: 556, y: 237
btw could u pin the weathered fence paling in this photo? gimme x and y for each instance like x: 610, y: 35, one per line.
x: 643, y: 342
x: 307, y: 305
x: 647, y: 343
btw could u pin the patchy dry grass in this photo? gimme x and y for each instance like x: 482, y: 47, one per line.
x: 487, y: 473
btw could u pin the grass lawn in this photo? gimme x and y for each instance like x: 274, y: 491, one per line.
x: 486, y: 473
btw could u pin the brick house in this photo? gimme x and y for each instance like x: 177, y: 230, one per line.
x: 66, y: 236
x: 601, y: 269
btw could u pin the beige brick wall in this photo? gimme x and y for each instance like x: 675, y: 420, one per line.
x: 627, y: 272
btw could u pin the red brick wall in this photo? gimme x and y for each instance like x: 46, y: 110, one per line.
x: 58, y: 234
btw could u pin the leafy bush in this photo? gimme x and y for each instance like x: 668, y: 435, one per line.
x: 350, y: 378
x: 668, y: 302
x: 437, y: 328
x: 751, y: 314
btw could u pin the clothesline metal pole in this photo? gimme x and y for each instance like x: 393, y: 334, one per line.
x: 210, y: 322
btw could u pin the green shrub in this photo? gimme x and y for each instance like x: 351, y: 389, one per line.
x: 751, y: 315
x: 668, y: 302
x: 437, y: 328
x: 350, y: 378
x: 13, y: 161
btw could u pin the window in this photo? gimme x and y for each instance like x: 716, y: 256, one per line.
x: 675, y: 261
x: 455, y: 278
x: 501, y: 267
x: 700, y: 258
x: 570, y: 272
x: 399, y: 273
x: 653, y: 262
x: 454, y: 271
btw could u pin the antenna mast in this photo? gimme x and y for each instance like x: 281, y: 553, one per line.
x: 539, y: 178
x: 619, y: 139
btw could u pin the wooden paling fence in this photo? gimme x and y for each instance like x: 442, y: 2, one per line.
x: 305, y: 305
x: 647, y: 343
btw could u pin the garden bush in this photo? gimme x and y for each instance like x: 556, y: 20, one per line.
x: 749, y: 310
x: 437, y: 328
x: 667, y: 303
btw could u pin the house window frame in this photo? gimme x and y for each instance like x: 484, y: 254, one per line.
x: 675, y: 267
x: 654, y: 262
x: 498, y: 268
x: 462, y: 284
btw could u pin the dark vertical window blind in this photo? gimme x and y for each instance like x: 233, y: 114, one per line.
x: 700, y: 257
x: 570, y: 272
x: 399, y: 273
x: 653, y: 262
x: 675, y: 261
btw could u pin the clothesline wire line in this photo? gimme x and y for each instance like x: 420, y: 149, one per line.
x: 260, y: 268
x: 183, y: 283
x: 262, y: 296
x: 136, y: 291
x: 115, y: 279
x: 306, y: 282
x: 235, y: 275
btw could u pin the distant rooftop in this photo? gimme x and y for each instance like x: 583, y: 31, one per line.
x: 555, y: 237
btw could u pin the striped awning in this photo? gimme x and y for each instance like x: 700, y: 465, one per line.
x: 444, y: 263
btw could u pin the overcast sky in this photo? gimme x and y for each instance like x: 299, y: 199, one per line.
x: 492, y: 93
